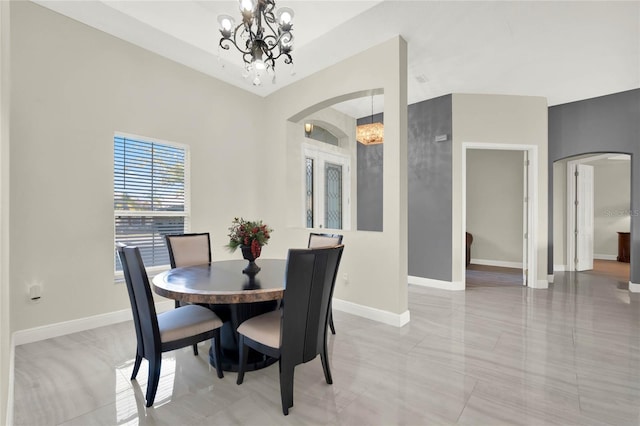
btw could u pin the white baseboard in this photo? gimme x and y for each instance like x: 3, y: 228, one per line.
x: 559, y: 268
x: 499, y: 263
x: 385, y: 317
x: 81, y: 324
x: 605, y: 256
x: 550, y: 278
x: 428, y: 282
x: 540, y: 284
x: 634, y: 288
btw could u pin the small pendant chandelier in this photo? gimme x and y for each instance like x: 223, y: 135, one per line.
x: 256, y: 38
x: 372, y: 133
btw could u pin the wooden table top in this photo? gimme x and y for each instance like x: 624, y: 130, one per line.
x: 223, y: 282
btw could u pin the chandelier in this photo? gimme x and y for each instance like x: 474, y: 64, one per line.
x: 262, y: 37
x: 370, y: 134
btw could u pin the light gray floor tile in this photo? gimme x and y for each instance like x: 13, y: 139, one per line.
x: 494, y: 354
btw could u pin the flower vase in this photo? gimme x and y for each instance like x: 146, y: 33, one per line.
x: 252, y: 268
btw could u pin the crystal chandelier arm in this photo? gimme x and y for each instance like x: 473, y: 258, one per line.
x: 262, y: 37
x: 233, y: 41
x: 287, y: 58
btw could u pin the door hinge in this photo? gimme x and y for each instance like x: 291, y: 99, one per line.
x: 576, y: 173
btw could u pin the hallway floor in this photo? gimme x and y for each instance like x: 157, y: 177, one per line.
x: 490, y: 355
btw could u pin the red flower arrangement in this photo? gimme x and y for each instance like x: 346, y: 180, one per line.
x: 254, y: 234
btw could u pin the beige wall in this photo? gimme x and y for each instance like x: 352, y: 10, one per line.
x: 498, y: 119
x: 375, y: 262
x: 5, y: 327
x: 494, y: 204
x: 72, y: 88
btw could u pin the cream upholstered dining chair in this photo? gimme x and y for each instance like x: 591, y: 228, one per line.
x: 297, y: 333
x: 189, y: 250
x: 325, y: 240
x: 158, y: 333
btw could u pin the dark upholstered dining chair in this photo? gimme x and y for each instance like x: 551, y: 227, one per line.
x: 325, y: 240
x: 297, y: 333
x: 158, y: 333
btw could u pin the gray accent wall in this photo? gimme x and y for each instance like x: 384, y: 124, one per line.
x: 430, y: 189
x: 370, y: 194
x: 605, y: 124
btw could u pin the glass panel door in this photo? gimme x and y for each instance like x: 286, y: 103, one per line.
x: 309, y: 193
x: 333, y: 195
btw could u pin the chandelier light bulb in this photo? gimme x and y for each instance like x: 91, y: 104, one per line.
x: 247, y: 5
x: 285, y: 15
x: 226, y: 24
x: 259, y: 65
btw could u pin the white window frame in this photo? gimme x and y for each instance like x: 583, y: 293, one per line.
x: 320, y: 156
x: 152, y: 270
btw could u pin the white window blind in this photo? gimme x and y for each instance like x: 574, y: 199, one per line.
x: 150, y: 196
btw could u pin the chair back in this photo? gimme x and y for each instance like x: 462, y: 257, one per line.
x: 189, y: 249
x: 144, y: 311
x: 324, y: 240
x: 310, y: 279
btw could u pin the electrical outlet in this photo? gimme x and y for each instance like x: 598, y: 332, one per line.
x: 35, y: 292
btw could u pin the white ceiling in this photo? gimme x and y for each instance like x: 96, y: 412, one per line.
x: 562, y: 50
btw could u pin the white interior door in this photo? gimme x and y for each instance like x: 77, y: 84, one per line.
x: 584, y: 218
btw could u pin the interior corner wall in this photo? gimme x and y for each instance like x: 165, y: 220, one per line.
x: 72, y: 87
x: 429, y: 183
x: 499, y: 119
x: 604, y: 124
x: 375, y: 262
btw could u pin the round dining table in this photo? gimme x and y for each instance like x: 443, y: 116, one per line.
x: 233, y: 295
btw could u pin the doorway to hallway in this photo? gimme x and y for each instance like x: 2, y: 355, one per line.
x: 500, y: 204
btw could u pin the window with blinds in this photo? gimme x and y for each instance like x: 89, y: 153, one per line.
x: 149, y: 195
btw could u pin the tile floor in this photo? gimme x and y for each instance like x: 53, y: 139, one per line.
x: 491, y: 355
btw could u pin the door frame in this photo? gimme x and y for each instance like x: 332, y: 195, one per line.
x: 570, y: 242
x: 532, y: 220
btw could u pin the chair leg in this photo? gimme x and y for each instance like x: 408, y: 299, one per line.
x: 217, y: 353
x: 286, y: 386
x: 154, y: 377
x: 244, y: 356
x: 195, y: 349
x: 333, y: 329
x: 325, y: 361
x: 136, y: 366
